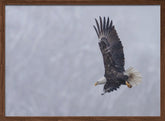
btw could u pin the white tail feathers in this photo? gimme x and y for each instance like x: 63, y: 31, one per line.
x: 134, y: 77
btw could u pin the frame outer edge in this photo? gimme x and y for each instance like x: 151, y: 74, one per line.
x: 1, y: 82
x: 162, y: 66
x: 2, y: 73
x: 2, y: 60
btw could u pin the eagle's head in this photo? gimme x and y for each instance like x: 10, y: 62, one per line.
x: 101, y: 81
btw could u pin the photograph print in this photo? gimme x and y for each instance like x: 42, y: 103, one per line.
x: 82, y: 60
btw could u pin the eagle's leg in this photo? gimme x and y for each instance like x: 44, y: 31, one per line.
x: 122, y: 77
x: 128, y: 84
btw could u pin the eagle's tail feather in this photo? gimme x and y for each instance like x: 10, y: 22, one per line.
x: 134, y: 77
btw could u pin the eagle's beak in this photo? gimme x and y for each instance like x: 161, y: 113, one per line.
x: 96, y: 84
x: 128, y: 84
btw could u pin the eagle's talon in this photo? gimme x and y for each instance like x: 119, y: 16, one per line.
x: 128, y: 84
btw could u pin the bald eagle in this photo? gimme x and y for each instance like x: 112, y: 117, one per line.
x: 113, y: 57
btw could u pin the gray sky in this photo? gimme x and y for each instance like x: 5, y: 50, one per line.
x: 53, y: 60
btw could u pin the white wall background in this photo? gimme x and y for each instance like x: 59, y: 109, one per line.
x: 53, y: 60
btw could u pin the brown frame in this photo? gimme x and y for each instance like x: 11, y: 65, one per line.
x: 79, y: 2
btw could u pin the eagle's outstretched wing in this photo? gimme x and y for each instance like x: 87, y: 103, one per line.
x: 112, y: 51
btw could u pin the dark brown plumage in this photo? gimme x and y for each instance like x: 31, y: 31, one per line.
x: 113, y: 56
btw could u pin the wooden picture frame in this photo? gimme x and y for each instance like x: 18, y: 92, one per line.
x: 3, y: 3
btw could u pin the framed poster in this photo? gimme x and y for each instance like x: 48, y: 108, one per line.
x: 50, y: 60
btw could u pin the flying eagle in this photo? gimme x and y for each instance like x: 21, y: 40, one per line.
x: 113, y: 57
